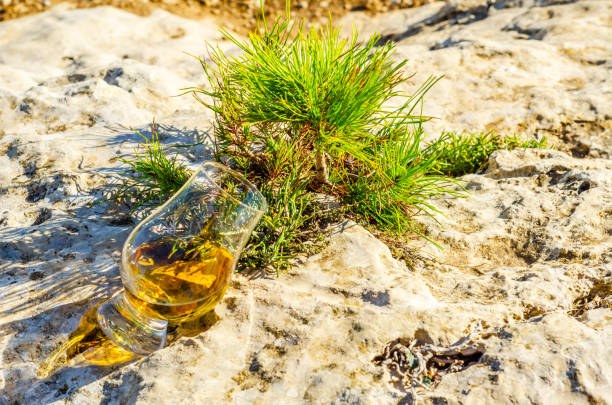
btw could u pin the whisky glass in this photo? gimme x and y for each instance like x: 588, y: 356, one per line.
x: 177, y: 263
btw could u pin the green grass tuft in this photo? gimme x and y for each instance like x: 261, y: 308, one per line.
x: 459, y: 154
x: 391, y: 196
x: 152, y: 176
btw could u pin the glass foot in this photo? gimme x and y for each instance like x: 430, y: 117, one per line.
x: 128, y: 328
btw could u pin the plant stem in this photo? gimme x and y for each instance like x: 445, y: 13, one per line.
x: 321, y: 167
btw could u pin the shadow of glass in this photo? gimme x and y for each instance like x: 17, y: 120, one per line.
x: 52, y: 272
x: 85, y: 356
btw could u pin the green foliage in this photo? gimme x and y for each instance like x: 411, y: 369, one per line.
x: 459, y: 154
x: 302, y: 112
x: 305, y: 113
x: 276, y: 239
x: 309, y: 109
x: 152, y: 176
x: 392, y: 195
x: 313, y: 89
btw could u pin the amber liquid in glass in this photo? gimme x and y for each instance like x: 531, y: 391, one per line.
x: 178, y: 282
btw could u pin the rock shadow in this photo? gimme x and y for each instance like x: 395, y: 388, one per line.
x: 192, y: 143
x: 48, y: 265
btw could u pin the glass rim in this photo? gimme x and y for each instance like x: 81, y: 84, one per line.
x: 240, y: 177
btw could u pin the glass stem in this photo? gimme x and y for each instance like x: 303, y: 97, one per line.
x: 129, y: 328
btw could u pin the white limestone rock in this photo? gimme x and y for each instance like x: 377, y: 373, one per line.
x: 528, y: 253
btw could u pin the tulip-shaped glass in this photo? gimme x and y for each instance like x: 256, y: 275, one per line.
x: 177, y: 263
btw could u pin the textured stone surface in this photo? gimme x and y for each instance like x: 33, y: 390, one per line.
x: 528, y: 253
x: 535, y: 68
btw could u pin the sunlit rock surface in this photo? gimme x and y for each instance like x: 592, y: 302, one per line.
x: 533, y: 67
x: 527, y: 254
